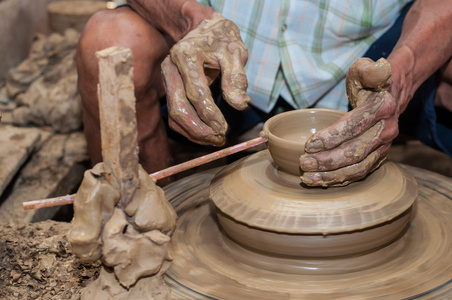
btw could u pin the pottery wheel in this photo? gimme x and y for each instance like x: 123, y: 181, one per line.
x: 255, y: 192
x: 418, y: 265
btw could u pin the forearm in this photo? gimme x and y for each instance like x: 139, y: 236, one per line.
x: 424, y: 46
x: 173, y: 17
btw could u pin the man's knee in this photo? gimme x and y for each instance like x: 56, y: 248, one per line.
x: 123, y: 28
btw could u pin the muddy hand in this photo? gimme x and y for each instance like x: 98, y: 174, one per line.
x: 358, y: 142
x: 194, y: 62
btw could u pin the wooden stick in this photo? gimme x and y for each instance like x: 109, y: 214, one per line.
x: 118, y: 123
x: 207, y: 158
x: 69, y: 199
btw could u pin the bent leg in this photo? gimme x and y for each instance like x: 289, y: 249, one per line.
x: 122, y: 27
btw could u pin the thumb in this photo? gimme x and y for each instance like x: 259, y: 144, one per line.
x: 375, y: 75
x: 366, y: 76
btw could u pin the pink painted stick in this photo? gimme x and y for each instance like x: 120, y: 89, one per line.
x: 207, y: 158
x: 69, y: 199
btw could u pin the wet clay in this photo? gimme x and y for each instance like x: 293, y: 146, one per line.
x: 288, y: 132
x: 44, y: 86
x: 120, y: 215
x: 356, y: 144
x: 132, y: 245
x: 266, y: 209
x: 209, y: 265
x: 366, y: 78
x: 194, y: 62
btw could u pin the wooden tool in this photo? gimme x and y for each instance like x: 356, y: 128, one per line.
x: 69, y: 199
x: 118, y: 124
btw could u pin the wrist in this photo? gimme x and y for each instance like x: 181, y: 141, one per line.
x: 193, y: 15
x: 402, y: 84
x: 175, y: 18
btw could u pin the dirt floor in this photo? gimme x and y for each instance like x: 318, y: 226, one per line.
x: 36, y: 263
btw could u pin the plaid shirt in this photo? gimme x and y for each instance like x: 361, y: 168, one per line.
x: 301, y: 49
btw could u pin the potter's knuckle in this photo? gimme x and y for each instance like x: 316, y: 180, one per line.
x: 389, y: 103
x: 179, y: 51
x: 172, y: 111
x: 175, y: 49
x: 354, y: 127
x: 166, y: 62
x: 231, y: 26
x: 393, y: 132
x: 177, y: 115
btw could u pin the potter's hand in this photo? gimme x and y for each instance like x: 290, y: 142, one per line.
x: 194, y: 62
x: 358, y: 142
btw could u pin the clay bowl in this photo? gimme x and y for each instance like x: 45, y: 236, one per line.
x: 288, y: 132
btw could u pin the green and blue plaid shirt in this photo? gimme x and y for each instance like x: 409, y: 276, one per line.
x: 301, y: 49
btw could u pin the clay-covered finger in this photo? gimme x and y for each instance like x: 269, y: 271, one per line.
x: 348, y: 153
x: 183, y: 117
x: 191, y: 68
x: 234, y: 82
x: 346, y: 175
x: 380, y: 135
x: 379, y: 106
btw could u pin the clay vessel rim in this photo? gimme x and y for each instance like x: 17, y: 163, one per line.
x: 272, y: 120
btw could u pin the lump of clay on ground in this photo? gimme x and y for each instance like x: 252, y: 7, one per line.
x: 44, y: 86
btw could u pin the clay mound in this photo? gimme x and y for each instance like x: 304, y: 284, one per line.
x: 42, y: 90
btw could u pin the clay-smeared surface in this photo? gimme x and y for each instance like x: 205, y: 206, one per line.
x: 118, y: 122
x: 254, y: 191
x: 357, y: 143
x: 132, y: 243
x: 419, y: 264
x: 43, y: 87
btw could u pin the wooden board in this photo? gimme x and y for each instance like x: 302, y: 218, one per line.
x: 56, y: 168
x: 17, y: 144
